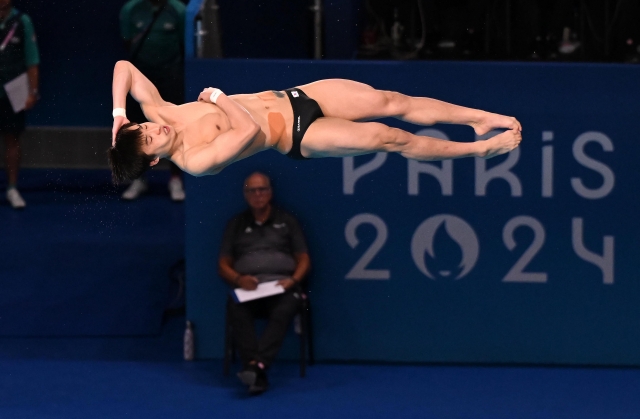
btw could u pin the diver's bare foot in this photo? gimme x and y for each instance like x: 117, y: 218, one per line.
x: 502, y: 143
x: 489, y: 121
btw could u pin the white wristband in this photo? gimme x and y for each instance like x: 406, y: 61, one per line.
x: 215, y: 95
x: 119, y: 112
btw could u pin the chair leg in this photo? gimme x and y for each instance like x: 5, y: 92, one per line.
x: 303, y: 358
x: 309, y: 332
x: 303, y: 339
x: 227, y: 358
x: 229, y: 354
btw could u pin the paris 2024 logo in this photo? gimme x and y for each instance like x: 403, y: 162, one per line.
x: 456, y: 255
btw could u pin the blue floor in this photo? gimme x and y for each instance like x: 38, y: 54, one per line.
x: 144, y: 377
x: 40, y: 388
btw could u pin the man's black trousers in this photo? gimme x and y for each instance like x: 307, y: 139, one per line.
x: 278, y: 310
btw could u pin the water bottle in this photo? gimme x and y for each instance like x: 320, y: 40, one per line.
x: 189, y: 344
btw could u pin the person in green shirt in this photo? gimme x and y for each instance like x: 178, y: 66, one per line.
x: 153, y: 33
x: 18, y: 55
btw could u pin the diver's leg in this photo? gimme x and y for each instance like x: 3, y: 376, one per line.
x: 334, y: 137
x: 356, y: 101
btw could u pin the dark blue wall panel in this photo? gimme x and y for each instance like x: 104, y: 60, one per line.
x: 79, y: 261
x: 79, y: 43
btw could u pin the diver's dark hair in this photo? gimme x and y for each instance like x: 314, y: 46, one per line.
x: 126, y: 158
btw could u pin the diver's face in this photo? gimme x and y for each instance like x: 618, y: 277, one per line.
x: 156, y: 138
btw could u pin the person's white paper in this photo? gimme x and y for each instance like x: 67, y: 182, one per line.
x: 17, y: 92
x: 265, y: 289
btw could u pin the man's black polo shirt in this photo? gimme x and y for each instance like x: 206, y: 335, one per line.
x: 265, y: 251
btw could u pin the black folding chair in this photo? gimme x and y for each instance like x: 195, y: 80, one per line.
x: 304, y: 332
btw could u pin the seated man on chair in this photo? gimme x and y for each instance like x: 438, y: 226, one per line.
x: 262, y: 244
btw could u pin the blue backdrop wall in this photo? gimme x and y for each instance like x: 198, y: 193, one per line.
x: 79, y: 43
x: 527, y: 258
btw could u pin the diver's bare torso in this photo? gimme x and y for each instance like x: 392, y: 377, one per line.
x: 202, y: 122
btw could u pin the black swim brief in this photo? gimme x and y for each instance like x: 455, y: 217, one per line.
x: 305, y: 111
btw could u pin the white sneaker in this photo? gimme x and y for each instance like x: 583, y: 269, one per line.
x: 176, y: 190
x: 137, y: 188
x: 15, y: 199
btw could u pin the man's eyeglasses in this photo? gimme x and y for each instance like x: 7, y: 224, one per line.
x: 261, y: 190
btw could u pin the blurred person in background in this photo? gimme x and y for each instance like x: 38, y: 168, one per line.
x: 625, y: 30
x: 591, y: 30
x: 263, y: 243
x: 546, y: 29
x: 153, y: 32
x: 18, y: 55
x: 412, y: 29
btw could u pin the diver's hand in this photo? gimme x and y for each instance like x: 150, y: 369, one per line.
x: 118, y: 121
x: 205, y: 95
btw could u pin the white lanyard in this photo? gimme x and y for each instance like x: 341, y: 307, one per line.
x: 9, y: 36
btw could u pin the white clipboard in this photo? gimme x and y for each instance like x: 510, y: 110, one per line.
x: 265, y: 289
x: 18, y: 92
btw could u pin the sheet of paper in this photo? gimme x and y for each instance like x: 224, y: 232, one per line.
x: 265, y: 289
x: 18, y: 91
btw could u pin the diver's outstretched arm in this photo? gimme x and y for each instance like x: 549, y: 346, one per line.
x: 128, y: 79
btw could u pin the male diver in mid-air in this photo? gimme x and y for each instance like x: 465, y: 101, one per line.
x: 320, y: 119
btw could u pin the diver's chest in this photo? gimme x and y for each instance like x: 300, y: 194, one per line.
x: 205, y: 129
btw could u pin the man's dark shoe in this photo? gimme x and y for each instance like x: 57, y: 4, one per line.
x: 254, y: 377
x: 260, y: 385
x: 249, y: 374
